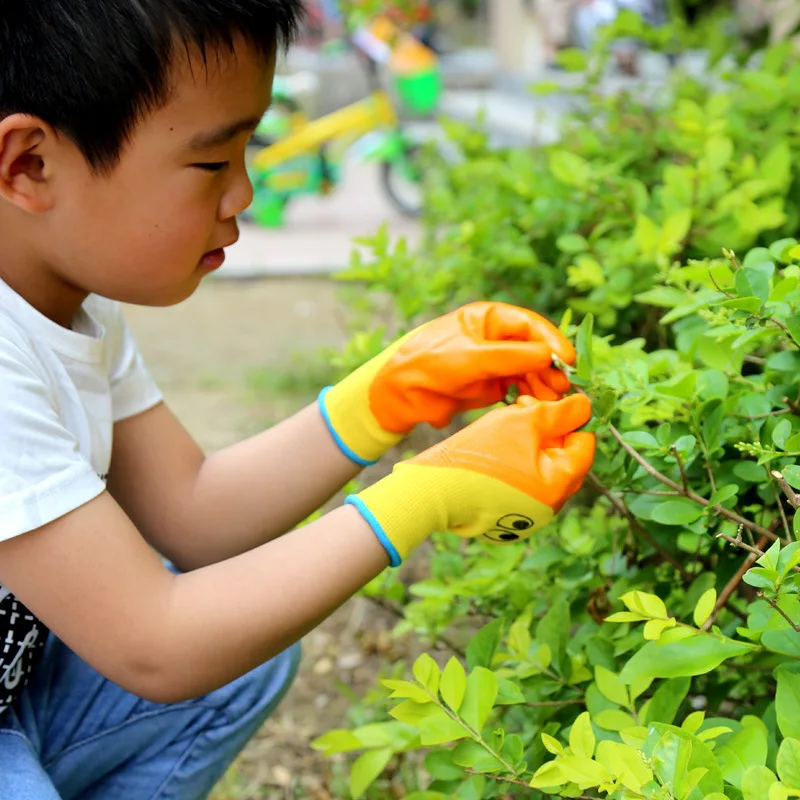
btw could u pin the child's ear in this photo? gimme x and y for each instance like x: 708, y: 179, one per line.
x: 24, y: 175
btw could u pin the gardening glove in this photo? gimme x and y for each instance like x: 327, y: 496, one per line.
x: 467, y: 359
x: 501, y: 478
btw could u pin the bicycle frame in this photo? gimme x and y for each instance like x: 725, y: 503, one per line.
x: 373, y: 112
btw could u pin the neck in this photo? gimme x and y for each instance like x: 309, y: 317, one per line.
x: 40, y: 286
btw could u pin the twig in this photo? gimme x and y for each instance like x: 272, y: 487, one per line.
x: 777, y: 413
x: 398, y: 612
x: 740, y: 544
x: 718, y: 287
x: 731, y: 586
x: 502, y: 780
x: 653, y: 494
x: 652, y: 471
x: 791, y: 495
x: 623, y: 509
x: 774, y: 605
x: 684, y: 477
x: 470, y: 771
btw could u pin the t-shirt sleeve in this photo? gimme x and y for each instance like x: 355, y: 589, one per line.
x: 43, y: 474
x: 133, y: 389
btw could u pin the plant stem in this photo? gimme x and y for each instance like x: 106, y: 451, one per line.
x: 791, y: 495
x: 731, y: 586
x: 684, y: 478
x: 652, y: 471
x: 498, y: 778
x: 776, y: 607
x: 623, y: 509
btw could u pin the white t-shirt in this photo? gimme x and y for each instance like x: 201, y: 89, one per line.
x: 61, y: 391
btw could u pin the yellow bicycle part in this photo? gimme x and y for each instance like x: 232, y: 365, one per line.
x: 355, y: 120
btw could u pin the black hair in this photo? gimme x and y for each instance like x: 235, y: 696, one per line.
x: 93, y: 68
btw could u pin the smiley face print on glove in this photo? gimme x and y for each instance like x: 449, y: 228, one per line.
x: 511, y: 528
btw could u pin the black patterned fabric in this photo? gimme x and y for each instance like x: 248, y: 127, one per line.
x: 22, y: 638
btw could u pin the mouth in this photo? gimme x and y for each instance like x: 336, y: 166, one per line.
x: 214, y: 259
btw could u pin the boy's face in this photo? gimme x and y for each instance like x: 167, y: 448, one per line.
x: 152, y: 228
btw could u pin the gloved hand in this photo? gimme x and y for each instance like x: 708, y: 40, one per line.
x: 502, y: 478
x: 467, y: 359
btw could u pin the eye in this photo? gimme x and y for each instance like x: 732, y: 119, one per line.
x: 214, y: 166
x: 516, y: 522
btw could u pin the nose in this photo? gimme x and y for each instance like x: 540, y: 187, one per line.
x: 238, y: 196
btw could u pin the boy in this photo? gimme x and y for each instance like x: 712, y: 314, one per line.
x: 123, y: 125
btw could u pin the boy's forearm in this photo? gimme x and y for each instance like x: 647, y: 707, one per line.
x: 228, y: 618
x: 256, y: 490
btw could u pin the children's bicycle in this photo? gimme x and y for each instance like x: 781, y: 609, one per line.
x: 297, y: 155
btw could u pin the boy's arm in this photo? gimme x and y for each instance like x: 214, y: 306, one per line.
x: 199, y: 510
x: 94, y: 581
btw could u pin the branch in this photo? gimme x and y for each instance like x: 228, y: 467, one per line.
x: 774, y: 605
x: 740, y: 544
x: 731, y: 586
x: 623, y: 509
x: 684, y: 477
x: 469, y: 771
x: 652, y: 471
x: 791, y: 495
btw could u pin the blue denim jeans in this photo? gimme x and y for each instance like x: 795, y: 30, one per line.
x: 73, y: 735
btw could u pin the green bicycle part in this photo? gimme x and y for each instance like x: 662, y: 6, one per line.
x: 420, y: 92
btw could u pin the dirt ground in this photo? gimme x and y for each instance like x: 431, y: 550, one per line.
x: 224, y: 360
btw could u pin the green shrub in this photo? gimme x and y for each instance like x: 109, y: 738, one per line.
x: 590, y: 222
x: 647, y: 644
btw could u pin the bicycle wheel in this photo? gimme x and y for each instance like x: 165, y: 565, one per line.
x: 401, y: 180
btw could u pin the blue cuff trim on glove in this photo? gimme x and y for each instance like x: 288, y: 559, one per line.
x: 352, y: 500
x: 362, y: 462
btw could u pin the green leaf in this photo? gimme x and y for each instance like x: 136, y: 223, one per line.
x: 625, y: 763
x: 756, y: 783
x: 655, y: 627
x: 508, y: 693
x: 569, y: 168
x: 412, y: 713
x: 693, y: 721
x: 700, y: 757
x: 552, y: 745
x: 761, y: 578
x: 664, y: 704
x: 680, y: 511
x: 548, y: 775
x: 613, y: 720
x: 696, y: 655
x: 793, y: 325
x: 789, y: 763
x: 572, y: 243
x: 746, y: 748
x: 704, y: 608
x: 426, y: 671
x: 792, y: 475
x: 610, y: 687
x: 581, y: 736
x: 780, y: 433
x: 472, y: 755
x: 407, y: 691
x: 439, y: 728
x: 787, y: 703
x: 482, y: 646
x: 671, y: 756
x: 648, y: 605
x: 366, y: 768
x: 583, y: 346
x: 479, y: 697
x: 439, y: 763
x: 453, y: 684
x: 553, y: 630
x: 584, y: 772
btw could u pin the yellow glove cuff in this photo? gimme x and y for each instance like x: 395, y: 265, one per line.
x: 415, y: 501
x: 346, y: 411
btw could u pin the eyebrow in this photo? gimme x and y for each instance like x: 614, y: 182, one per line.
x: 223, y: 135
